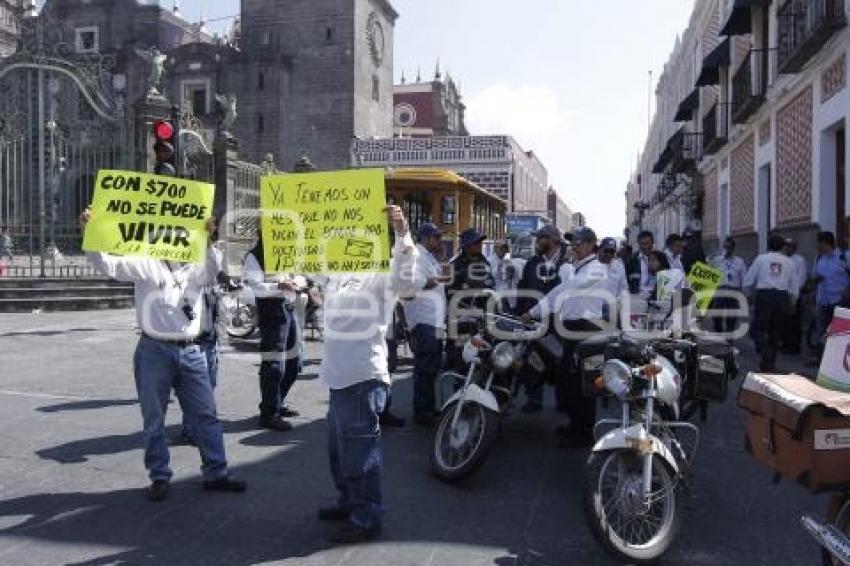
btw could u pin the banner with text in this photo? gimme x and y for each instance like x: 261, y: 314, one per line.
x: 704, y: 280
x: 329, y: 222
x: 140, y: 214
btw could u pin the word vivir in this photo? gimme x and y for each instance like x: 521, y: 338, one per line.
x: 154, y: 233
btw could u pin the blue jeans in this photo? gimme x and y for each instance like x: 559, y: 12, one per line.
x: 354, y: 447
x: 159, y: 367
x: 210, y: 349
x: 428, y: 359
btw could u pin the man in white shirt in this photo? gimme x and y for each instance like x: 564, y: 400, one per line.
x: 358, y: 308
x: 792, y: 337
x: 279, y: 346
x: 734, y: 270
x: 425, y: 313
x: 506, y: 273
x: 169, y: 308
x: 580, y: 301
x: 775, y: 281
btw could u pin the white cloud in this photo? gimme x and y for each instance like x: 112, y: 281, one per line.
x: 531, y: 114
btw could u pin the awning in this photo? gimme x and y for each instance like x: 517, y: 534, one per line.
x: 720, y: 57
x: 687, y: 107
x: 663, y: 160
x: 740, y: 20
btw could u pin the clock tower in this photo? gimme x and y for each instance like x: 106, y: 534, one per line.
x: 338, y: 58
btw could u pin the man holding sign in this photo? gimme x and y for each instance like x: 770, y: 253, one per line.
x: 169, y: 307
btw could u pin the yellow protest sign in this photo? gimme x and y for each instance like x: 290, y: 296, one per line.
x: 329, y: 222
x: 139, y: 214
x: 704, y: 280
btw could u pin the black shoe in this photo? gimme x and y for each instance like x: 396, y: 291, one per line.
x: 424, y: 418
x: 225, y: 484
x: 334, y: 513
x: 532, y: 407
x: 275, y: 423
x: 388, y: 419
x: 352, y: 534
x: 288, y: 413
x: 158, y: 490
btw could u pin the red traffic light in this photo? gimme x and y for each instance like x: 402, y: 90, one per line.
x: 163, y: 130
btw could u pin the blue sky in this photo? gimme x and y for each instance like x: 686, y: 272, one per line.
x: 567, y: 78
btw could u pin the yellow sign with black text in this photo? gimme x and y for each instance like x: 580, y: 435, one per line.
x: 328, y: 222
x: 704, y: 281
x: 139, y: 214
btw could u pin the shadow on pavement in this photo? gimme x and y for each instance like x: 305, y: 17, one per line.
x: 88, y: 404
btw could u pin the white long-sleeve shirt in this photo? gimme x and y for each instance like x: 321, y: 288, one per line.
x: 358, y: 309
x: 427, y: 306
x: 162, y: 291
x: 581, y: 296
x: 266, y: 287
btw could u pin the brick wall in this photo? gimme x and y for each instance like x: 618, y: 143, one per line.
x: 742, y: 189
x: 710, y: 205
x: 794, y: 160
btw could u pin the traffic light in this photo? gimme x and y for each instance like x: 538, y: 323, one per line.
x: 164, y: 135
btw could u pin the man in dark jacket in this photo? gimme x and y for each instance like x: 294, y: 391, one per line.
x: 541, y: 274
x: 637, y: 268
x: 693, y: 251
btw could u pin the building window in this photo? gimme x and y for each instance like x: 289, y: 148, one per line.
x: 376, y: 88
x: 329, y: 34
x: 260, y: 123
x: 261, y: 81
x: 266, y: 38
x: 87, y: 40
x: 196, y: 97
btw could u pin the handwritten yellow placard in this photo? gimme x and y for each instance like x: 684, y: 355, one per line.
x: 139, y: 214
x: 329, y: 222
x: 704, y: 280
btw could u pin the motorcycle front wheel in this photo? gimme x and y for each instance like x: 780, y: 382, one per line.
x: 459, y: 451
x: 633, y: 529
x: 240, y: 320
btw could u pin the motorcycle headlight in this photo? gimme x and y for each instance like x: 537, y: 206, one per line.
x: 617, y: 377
x: 594, y: 363
x: 503, y: 357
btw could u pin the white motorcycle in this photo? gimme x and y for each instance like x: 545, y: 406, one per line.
x: 636, y: 470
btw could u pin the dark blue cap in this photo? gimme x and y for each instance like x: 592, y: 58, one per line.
x: 470, y: 237
x: 428, y: 229
x: 584, y: 234
x: 608, y: 244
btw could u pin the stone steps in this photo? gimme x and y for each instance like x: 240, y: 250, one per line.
x: 29, y: 294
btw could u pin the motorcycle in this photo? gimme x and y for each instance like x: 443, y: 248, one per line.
x: 505, y: 353
x: 635, y: 473
x: 239, y: 312
x: 833, y: 535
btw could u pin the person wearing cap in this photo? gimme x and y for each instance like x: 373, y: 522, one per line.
x: 831, y: 276
x: 617, y: 283
x: 426, y: 318
x: 734, y: 270
x: 775, y: 281
x: 542, y: 273
x: 581, y: 314
x: 793, y: 334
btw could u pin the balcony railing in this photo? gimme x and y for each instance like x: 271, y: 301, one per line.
x: 749, y: 85
x: 715, y: 127
x: 687, y: 152
x: 804, y: 27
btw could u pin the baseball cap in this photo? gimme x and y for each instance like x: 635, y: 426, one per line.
x: 471, y: 236
x: 584, y: 234
x: 608, y: 244
x: 548, y: 231
x: 428, y: 229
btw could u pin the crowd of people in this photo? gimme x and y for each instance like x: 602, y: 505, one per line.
x: 574, y: 282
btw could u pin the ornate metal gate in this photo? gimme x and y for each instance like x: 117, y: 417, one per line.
x: 62, y: 119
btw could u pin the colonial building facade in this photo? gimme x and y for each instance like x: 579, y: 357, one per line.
x: 767, y: 107
x: 428, y: 108
x: 495, y: 163
x: 11, y: 13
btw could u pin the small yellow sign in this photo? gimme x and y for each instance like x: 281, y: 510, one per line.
x: 139, y: 214
x: 704, y: 281
x: 329, y: 222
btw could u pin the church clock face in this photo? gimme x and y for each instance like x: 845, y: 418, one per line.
x: 377, y: 39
